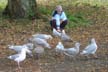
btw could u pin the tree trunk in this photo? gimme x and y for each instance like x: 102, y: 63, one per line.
x: 21, y: 8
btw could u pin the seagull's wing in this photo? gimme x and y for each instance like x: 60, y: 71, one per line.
x: 65, y: 37
x: 42, y: 36
x: 29, y: 45
x: 70, y: 51
x: 41, y: 42
x: 90, y: 48
x: 16, y: 48
x: 13, y: 56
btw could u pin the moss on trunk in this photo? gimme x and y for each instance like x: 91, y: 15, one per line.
x: 21, y: 8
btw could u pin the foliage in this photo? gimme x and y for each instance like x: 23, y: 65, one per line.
x: 77, y: 19
x: 3, y: 4
x: 44, y: 10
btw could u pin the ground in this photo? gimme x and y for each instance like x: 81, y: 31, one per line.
x: 14, y: 32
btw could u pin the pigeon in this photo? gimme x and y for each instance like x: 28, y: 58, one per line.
x: 65, y: 37
x: 42, y: 36
x: 19, y: 57
x: 72, y: 52
x: 39, y: 41
x: 56, y: 33
x: 90, y: 49
x: 59, y: 47
x: 18, y: 48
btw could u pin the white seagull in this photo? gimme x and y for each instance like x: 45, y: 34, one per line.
x: 19, y: 57
x: 38, y: 51
x: 65, y: 37
x: 56, y: 33
x: 42, y: 36
x: 59, y: 47
x: 29, y: 45
x: 90, y: 49
x: 18, y: 48
x: 41, y: 42
x: 72, y: 52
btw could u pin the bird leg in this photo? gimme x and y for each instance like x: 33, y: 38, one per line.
x: 18, y: 65
x: 95, y: 56
x: 37, y: 56
x: 87, y: 56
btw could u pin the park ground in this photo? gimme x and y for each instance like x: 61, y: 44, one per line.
x: 18, y: 31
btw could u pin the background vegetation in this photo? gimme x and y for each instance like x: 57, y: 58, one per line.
x: 87, y: 19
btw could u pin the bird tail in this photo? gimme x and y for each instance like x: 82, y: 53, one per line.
x: 70, y: 40
x: 9, y: 57
x: 67, y: 54
x: 83, y: 52
x: 10, y: 46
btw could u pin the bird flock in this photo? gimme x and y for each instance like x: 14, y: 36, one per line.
x: 38, y: 42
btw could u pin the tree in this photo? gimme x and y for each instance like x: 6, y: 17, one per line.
x: 21, y: 8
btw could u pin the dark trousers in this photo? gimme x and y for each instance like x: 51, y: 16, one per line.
x: 62, y: 25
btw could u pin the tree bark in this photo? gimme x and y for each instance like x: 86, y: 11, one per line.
x: 21, y: 8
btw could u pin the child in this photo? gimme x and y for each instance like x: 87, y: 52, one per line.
x: 59, y: 19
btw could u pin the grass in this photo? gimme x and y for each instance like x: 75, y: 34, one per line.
x: 3, y: 4
x: 73, y: 2
x: 95, y: 2
x: 76, y: 18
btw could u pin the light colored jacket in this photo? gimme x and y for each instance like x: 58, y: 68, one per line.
x: 59, y: 17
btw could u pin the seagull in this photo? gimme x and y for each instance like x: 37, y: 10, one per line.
x: 90, y: 49
x: 59, y: 47
x: 59, y: 50
x: 19, y: 57
x: 18, y: 48
x: 42, y: 36
x: 38, y: 51
x: 72, y: 52
x: 29, y: 45
x: 65, y: 37
x: 41, y: 42
x: 56, y: 33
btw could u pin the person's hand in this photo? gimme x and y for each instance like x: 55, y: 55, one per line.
x: 58, y: 30
x: 61, y: 21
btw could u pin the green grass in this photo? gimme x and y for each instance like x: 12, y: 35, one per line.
x: 3, y: 4
x: 74, y: 2
x: 94, y: 2
x: 44, y: 10
x: 76, y: 18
